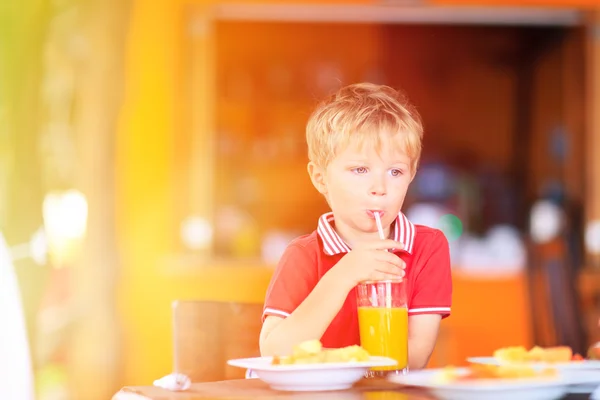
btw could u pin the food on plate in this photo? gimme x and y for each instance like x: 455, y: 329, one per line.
x: 487, y: 371
x: 519, y: 354
x: 312, y: 352
x: 594, y: 351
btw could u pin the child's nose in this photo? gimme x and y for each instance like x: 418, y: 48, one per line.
x: 378, y: 189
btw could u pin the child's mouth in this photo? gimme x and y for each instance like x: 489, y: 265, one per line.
x: 371, y: 213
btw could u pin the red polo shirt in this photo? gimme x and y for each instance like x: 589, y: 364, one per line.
x: 309, y: 257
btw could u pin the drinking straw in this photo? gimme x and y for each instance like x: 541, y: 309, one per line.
x: 379, y: 227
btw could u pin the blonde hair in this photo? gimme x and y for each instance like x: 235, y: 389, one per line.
x: 361, y: 113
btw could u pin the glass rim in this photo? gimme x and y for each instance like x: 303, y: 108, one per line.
x: 370, y: 282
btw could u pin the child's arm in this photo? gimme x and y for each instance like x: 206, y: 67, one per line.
x: 432, y: 298
x: 309, y: 321
x: 422, y: 335
x: 312, y: 317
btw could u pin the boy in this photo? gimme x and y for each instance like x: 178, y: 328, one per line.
x: 364, y: 145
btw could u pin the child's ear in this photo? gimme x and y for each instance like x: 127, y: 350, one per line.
x: 317, y: 176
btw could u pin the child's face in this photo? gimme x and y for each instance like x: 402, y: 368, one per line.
x: 359, y: 181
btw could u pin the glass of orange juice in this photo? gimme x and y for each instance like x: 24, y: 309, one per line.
x: 383, y: 323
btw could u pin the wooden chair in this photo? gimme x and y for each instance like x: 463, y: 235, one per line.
x: 208, y: 333
x: 588, y: 284
x: 555, y: 299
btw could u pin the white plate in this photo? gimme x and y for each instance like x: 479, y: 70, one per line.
x: 575, y: 366
x: 496, y: 389
x: 310, y: 377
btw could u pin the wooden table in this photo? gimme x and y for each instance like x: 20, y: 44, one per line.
x: 371, y: 389
x: 241, y: 389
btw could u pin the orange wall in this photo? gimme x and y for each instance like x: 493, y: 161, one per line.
x: 487, y: 313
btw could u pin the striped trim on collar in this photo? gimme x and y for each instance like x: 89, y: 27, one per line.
x: 404, y: 232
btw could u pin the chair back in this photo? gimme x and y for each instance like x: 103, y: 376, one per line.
x: 208, y: 333
x: 556, y: 307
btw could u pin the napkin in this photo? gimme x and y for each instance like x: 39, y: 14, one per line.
x: 251, y: 374
x: 175, y: 382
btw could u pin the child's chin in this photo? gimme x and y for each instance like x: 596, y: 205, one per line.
x: 369, y: 229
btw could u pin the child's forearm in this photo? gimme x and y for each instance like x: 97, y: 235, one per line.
x: 310, y: 320
x: 419, y: 354
x: 422, y: 335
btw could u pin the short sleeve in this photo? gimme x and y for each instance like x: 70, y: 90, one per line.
x: 432, y: 292
x: 294, y: 278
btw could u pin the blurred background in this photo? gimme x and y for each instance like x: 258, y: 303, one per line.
x: 153, y: 151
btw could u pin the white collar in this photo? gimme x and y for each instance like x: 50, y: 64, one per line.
x: 403, y: 232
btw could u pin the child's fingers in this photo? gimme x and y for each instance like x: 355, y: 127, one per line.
x: 390, y: 258
x: 390, y: 269
x: 388, y: 244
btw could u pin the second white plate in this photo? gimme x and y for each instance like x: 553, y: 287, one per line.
x: 496, y: 389
x: 575, y: 365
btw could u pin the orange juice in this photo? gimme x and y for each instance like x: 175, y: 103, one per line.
x: 384, y: 395
x: 384, y: 332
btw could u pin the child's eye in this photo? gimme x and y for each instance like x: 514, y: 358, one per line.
x: 396, y: 172
x: 360, y: 170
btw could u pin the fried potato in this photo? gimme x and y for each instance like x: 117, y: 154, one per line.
x: 594, y: 351
x: 512, y: 354
x: 312, y: 352
x: 518, y: 354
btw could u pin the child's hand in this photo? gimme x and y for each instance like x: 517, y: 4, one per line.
x: 371, y: 261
